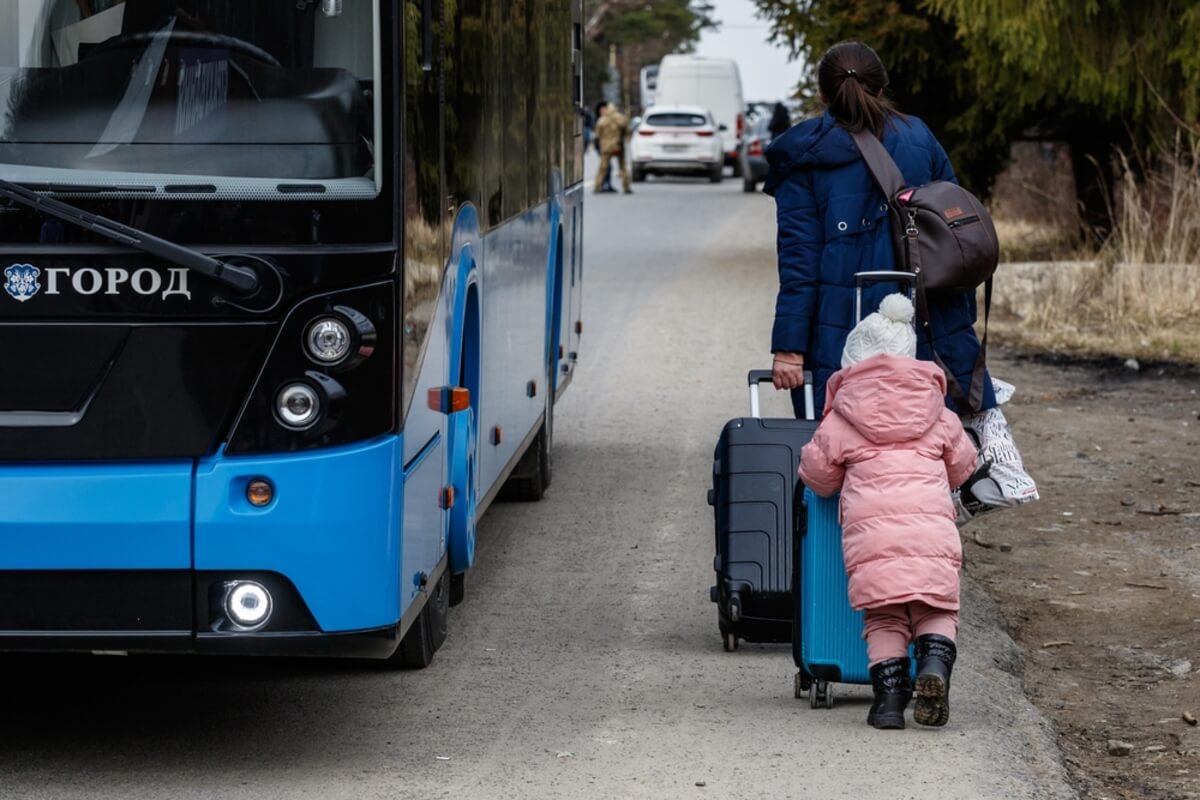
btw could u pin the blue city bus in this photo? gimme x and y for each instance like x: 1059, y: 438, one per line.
x: 291, y: 289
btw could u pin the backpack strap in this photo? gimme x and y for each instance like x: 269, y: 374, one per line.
x: 880, y: 164
x: 977, y: 387
x: 972, y: 403
x: 890, y: 181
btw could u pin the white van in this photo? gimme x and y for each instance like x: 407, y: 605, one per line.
x: 649, y: 80
x: 712, y: 83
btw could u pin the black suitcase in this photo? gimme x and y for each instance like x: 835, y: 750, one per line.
x: 757, y: 507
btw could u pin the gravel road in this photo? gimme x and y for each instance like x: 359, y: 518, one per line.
x: 586, y: 661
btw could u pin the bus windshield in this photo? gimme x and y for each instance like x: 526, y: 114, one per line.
x: 191, y: 99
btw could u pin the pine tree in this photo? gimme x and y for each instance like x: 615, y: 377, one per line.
x: 1099, y: 74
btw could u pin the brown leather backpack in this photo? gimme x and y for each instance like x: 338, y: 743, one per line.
x: 944, y: 236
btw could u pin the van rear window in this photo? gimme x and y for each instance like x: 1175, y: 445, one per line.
x: 676, y: 120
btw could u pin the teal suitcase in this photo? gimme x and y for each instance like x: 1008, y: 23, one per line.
x: 827, y: 643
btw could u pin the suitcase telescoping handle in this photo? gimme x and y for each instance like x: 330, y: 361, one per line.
x: 758, y: 376
x: 861, y: 279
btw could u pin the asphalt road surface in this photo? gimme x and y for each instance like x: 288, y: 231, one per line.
x: 586, y: 661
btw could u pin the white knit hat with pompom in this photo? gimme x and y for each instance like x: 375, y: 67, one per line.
x: 888, y: 331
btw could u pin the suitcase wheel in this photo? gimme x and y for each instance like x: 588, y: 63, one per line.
x: 735, y: 607
x: 820, y: 694
x: 730, y: 641
x: 802, y: 682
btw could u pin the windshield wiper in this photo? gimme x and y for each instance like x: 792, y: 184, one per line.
x: 239, y: 278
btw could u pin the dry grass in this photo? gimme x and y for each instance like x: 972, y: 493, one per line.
x: 1145, y: 311
x: 1023, y: 240
x: 1139, y: 296
x: 1158, y: 217
x: 1038, y: 185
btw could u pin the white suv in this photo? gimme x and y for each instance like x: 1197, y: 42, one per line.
x: 678, y: 139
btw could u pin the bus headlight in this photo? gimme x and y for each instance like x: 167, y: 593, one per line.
x: 297, y: 406
x: 328, y: 340
x: 299, y: 401
x: 248, y: 604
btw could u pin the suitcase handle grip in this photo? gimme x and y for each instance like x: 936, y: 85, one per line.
x: 885, y: 276
x: 757, y: 376
x: 881, y: 276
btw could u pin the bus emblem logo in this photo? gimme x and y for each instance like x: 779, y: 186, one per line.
x: 21, y: 281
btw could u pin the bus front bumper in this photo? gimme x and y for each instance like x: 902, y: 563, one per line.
x: 142, y: 557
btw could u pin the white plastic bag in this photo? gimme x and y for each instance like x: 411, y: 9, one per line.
x: 1000, y: 479
x: 1004, y: 391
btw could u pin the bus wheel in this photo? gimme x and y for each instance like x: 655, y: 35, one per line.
x: 438, y: 609
x: 530, y: 480
x: 548, y: 443
x: 458, y: 588
x: 429, y: 631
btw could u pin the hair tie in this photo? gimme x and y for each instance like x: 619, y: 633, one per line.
x: 852, y: 73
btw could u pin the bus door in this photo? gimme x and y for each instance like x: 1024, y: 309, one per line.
x: 425, y: 252
x: 573, y: 219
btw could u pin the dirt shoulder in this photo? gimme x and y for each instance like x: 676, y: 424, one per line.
x: 1099, y: 583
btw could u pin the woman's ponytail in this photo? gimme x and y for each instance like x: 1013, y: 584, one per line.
x: 852, y: 79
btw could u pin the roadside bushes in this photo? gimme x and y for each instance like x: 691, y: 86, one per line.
x: 1138, y: 295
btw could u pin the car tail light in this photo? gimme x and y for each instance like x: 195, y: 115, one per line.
x: 645, y: 133
x: 704, y: 133
x: 741, y: 125
x: 756, y: 148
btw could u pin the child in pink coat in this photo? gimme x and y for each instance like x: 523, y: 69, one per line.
x: 888, y: 443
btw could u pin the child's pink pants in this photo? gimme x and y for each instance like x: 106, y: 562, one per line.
x: 889, y: 629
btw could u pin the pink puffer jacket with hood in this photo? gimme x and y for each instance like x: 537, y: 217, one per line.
x: 894, y: 450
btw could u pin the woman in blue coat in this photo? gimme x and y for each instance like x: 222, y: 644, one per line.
x: 833, y: 223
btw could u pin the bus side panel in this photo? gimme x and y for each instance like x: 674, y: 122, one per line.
x: 572, y: 288
x: 424, y: 526
x: 513, y: 338
x: 332, y: 529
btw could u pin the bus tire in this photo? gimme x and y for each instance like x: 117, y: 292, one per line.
x: 458, y: 589
x: 428, y: 632
x: 548, y: 443
x: 531, y: 478
x: 438, y: 609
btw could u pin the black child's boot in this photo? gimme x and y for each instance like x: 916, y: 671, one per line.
x: 935, y: 660
x: 890, y: 681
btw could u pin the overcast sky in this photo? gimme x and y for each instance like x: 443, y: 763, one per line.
x: 766, y: 72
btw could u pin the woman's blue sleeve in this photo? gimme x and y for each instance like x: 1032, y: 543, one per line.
x: 941, y: 169
x: 801, y: 238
